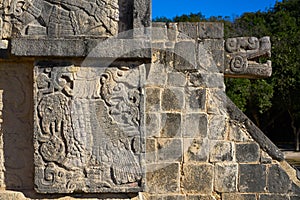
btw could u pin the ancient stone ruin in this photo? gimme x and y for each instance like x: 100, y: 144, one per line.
x: 98, y: 102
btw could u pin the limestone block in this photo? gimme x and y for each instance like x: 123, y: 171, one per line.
x: 195, y: 99
x: 198, y: 178
x: 157, y: 75
x: 200, y: 197
x: 252, y: 178
x: 151, y: 151
x: 225, y: 177
x: 172, y: 99
x: 273, y: 197
x: 176, y: 79
x: 185, y: 56
x: 196, y: 125
x: 237, y: 196
x: 187, y: 30
x: 171, y: 125
x: 220, y: 151
x: 278, y: 180
x: 153, y: 96
x: 210, y: 30
x: 152, y: 125
x: 196, y: 150
x: 159, y: 31
x: 162, y: 178
x: 247, y: 152
x: 169, y: 150
x: 216, y: 127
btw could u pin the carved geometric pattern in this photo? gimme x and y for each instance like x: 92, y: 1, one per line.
x: 88, y: 135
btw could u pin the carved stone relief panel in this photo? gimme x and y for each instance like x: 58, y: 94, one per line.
x: 62, y: 18
x: 88, y: 129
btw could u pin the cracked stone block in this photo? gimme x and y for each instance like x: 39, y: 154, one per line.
x: 152, y: 125
x: 159, y: 31
x: 162, y: 178
x: 196, y: 150
x: 237, y: 196
x: 220, y: 151
x: 172, y: 99
x: 247, y: 152
x: 195, y: 100
x: 198, y: 178
x: 170, y: 125
x: 169, y: 149
x: 153, y: 99
x: 273, y: 197
x: 252, y: 178
x: 278, y: 180
x: 226, y: 177
x: 196, y: 125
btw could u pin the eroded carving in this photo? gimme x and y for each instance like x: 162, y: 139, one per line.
x: 243, y: 54
x: 87, y: 129
x: 62, y: 18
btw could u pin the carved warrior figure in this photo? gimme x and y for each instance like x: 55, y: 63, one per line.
x: 242, y: 56
x: 87, y: 130
x: 57, y: 18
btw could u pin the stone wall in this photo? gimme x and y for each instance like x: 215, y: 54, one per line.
x: 142, y: 115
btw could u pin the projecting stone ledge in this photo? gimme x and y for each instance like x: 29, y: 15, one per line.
x: 242, y: 56
x: 93, y: 48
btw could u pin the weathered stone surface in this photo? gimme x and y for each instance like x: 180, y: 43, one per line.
x: 200, y: 197
x: 169, y: 150
x: 163, y: 178
x: 225, y: 177
x: 278, y: 180
x: 196, y: 125
x: 188, y: 30
x: 216, y: 127
x: 220, y: 151
x: 172, y: 99
x: 196, y: 150
x: 151, y: 151
x: 167, y: 197
x: 170, y: 125
x: 294, y: 197
x: 83, y: 134
x: 176, y: 79
x: 273, y: 197
x: 247, y: 152
x: 152, y: 124
x: 252, y: 178
x: 210, y: 30
x: 198, y: 178
x: 195, y: 100
x: 157, y: 75
x: 236, y: 196
x: 159, y: 31
x: 237, y: 132
x: 185, y: 56
x: 153, y: 96
x: 265, y: 158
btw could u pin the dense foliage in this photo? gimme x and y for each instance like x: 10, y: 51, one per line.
x: 273, y: 103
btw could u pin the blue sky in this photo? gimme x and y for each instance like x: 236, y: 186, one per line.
x: 231, y: 8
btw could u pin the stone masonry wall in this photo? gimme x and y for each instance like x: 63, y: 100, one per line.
x: 198, y: 145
